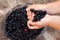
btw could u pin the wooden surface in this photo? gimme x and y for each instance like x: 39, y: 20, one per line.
x: 6, y: 5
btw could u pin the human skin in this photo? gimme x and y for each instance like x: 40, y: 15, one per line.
x: 50, y: 19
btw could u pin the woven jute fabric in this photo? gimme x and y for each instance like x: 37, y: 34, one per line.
x: 6, y: 5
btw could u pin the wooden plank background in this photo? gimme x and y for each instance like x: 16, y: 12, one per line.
x: 6, y: 5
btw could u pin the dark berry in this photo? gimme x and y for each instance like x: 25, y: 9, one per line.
x: 16, y: 25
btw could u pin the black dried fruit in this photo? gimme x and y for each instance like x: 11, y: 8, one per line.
x: 39, y: 14
x: 16, y: 26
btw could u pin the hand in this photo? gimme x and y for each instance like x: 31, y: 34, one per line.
x: 51, y: 8
x: 48, y: 20
x: 39, y: 24
x: 35, y: 7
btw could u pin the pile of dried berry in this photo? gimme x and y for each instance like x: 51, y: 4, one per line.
x: 16, y: 25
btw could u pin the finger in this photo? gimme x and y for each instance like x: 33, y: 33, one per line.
x: 30, y: 15
x: 36, y: 25
x: 33, y: 26
x: 32, y: 23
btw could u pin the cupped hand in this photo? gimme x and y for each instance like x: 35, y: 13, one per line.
x: 52, y: 21
x: 39, y: 24
x: 35, y: 7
